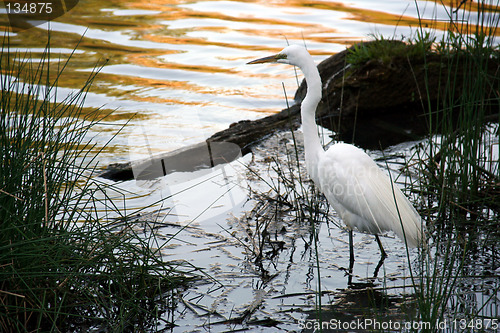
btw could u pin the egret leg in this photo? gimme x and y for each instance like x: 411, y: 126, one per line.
x: 351, y: 248
x: 382, y: 251
x: 351, y: 259
x: 380, y: 263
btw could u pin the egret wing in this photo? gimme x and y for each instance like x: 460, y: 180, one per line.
x: 364, y: 196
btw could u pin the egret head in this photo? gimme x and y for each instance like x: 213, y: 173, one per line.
x: 292, y: 55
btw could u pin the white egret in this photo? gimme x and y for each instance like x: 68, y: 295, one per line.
x: 361, y: 193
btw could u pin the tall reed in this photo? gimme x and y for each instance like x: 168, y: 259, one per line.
x: 63, y: 267
x: 459, y: 168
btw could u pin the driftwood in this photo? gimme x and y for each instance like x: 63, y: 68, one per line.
x: 373, y: 105
x: 204, y: 155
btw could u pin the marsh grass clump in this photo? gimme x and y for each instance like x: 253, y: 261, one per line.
x: 461, y: 163
x: 62, y: 266
x: 287, y: 203
x: 288, y: 209
x: 385, y: 50
x: 458, y: 167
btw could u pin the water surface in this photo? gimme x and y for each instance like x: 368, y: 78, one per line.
x: 176, y: 69
x: 174, y: 72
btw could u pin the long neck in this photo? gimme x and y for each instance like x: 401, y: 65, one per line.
x: 312, y: 144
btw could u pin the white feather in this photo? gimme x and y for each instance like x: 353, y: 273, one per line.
x: 363, y: 195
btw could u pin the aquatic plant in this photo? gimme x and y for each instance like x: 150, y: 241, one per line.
x: 385, y: 50
x: 458, y: 168
x: 64, y: 267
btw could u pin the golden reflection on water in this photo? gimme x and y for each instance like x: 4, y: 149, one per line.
x: 167, y: 55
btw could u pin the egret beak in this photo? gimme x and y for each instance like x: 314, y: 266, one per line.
x: 273, y: 58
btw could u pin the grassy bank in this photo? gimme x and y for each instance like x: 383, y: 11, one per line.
x: 62, y: 266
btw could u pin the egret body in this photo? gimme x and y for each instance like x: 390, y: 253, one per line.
x: 359, y: 191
